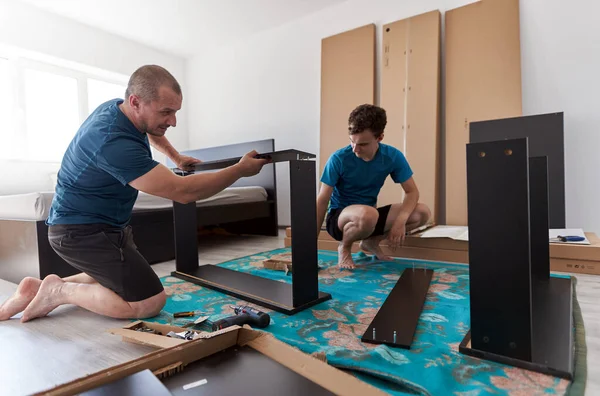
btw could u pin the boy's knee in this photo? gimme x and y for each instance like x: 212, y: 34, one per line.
x: 367, y: 218
x: 423, y: 212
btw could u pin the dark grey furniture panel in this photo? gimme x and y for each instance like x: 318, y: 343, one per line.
x: 546, y: 139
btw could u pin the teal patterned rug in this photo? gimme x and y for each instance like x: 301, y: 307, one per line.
x: 433, y: 366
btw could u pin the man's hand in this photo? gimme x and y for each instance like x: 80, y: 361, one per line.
x: 187, y: 163
x: 249, y: 165
x: 397, y: 235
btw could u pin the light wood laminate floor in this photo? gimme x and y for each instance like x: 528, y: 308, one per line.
x: 72, y: 342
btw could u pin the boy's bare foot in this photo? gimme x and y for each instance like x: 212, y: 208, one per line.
x: 345, y: 258
x: 26, y: 291
x: 47, y: 299
x: 372, y: 246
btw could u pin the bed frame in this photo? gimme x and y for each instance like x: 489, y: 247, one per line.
x: 25, y: 250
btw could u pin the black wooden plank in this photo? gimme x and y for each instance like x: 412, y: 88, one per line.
x: 265, y: 178
x: 274, y: 156
x: 262, y: 291
x: 241, y: 371
x: 546, y: 139
x: 538, y: 211
x: 499, y: 248
x: 401, y: 310
x: 142, y: 383
x: 305, y: 276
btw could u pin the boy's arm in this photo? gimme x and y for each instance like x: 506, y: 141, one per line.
x: 322, y: 203
x: 398, y: 230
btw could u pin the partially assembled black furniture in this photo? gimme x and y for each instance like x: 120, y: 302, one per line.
x: 279, y: 296
x: 520, y: 316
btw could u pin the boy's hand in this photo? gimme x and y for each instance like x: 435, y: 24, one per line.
x: 396, y: 235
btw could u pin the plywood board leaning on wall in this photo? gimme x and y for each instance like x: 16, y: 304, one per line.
x: 410, y: 93
x: 347, y: 80
x: 483, y: 82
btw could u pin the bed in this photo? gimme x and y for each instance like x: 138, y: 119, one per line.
x: 249, y: 206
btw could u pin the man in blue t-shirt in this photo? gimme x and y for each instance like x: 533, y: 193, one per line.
x: 351, y: 181
x: 106, y: 164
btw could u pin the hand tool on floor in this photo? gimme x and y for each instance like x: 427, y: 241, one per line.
x: 243, y: 315
x: 568, y: 238
x: 186, y: 314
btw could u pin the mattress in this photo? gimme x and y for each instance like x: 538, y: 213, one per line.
x: 36, y: 206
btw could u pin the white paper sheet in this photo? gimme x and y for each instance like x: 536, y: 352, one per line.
x: 459, y: 233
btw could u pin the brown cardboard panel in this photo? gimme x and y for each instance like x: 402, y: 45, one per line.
x: 184, y: 353
x: 483, y: 82
x: 575, y: 266
x: 394, y: 80
x: 314, y: 369
x: 347, y: 80
x: 422, y: 114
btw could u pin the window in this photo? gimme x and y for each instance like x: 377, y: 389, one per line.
x: 101, y: 91
x: 51, y: 114
x: 6, y: 108
x: 43, y: 102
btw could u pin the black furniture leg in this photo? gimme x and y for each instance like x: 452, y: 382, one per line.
x: 519, y: 315
x: 282, y: 297
x: 305, y: 283
x: 186, y: 234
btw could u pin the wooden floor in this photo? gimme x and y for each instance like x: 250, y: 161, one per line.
x: 71, y: 342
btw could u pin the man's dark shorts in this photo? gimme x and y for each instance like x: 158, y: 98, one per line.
x: 331, y: 222
x: 109, y: 255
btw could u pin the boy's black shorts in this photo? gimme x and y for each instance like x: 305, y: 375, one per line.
x: 331, y: 222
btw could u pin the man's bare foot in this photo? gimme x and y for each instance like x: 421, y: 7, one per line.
x: 47, y: 298
x: 26, y: 291
x: 373, y: 247
x: 345, y: 258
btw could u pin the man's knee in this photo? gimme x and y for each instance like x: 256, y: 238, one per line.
x: 149, y: 307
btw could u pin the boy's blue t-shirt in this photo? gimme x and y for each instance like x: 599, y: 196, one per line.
x: 356, y: 181
x: 107, y: 153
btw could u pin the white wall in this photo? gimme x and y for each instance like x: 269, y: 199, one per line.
x: 560, y: 47
x: 268, y: 86
x: 61, y: 39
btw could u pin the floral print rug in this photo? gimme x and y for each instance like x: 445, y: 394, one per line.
x: 433, y: 365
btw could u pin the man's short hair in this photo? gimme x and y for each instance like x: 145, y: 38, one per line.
x: 367, y: 116
x: 146, y: 81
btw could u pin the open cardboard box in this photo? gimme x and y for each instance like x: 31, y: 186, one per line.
x: 564, y: 257
x: 186, y: 352
x: 130, y: 334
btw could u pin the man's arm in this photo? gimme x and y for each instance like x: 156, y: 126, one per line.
x: 322, y: 203
x: 162, y: 144
x: 160, y: 181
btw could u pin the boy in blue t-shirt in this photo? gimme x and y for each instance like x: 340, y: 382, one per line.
x: 351, y: 181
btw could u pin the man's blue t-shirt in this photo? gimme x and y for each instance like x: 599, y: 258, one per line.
x: 107, y: 153
x: 356, y: 181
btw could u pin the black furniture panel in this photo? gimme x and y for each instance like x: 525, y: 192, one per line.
x: 546, y: 139
x: 519, y: 314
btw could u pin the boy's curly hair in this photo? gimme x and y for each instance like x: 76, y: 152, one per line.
x: 367, y: 116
